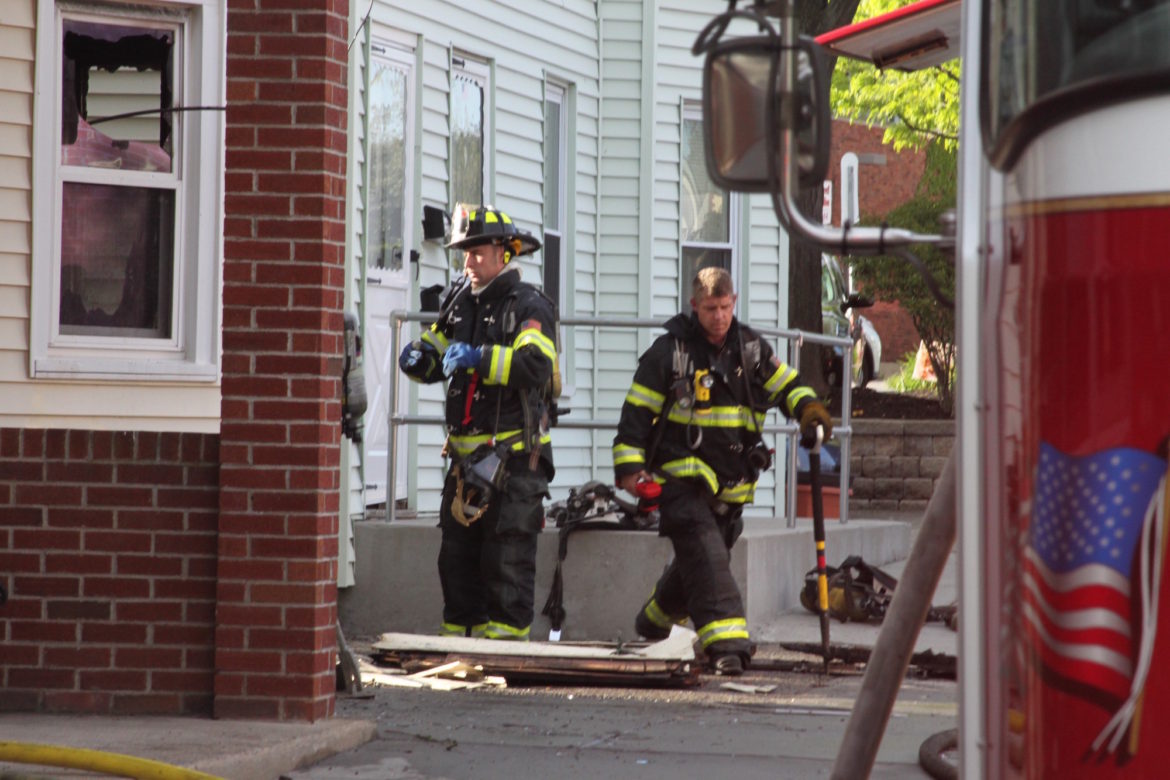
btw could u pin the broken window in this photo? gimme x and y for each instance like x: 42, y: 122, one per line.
x: 128, y: 207
x: 118, y: 187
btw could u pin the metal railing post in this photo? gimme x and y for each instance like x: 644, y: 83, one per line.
x: 791, y: 430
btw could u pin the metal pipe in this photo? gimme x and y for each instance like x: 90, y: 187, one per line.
x: 846, y: 240
x: 789, y: 429
x: 895, y: 643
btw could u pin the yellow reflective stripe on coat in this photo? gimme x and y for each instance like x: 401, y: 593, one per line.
x: 536, y: 337
x: 435, y: 339
x: 795, y: 397
x: 500, y: 366
x: 656, y: 615
x: 722, y: 630
x: 643, y: 396
x: 626, y: 453
x: 716, y: 417
x: 743, y: 493
x: 780, y: 379
x: 465, y: 445
x: 684, y: 468
x: 496, y: 630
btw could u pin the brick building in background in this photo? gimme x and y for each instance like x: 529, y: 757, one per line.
x: 886, y: 179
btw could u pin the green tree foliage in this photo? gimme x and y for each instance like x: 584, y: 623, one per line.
x: 915, y: 108
x: 890, y: 278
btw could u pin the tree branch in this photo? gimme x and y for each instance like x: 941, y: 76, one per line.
x: 925, y: 130
x: 951, y: 74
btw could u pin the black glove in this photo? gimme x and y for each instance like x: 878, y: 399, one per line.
x: 814, y: 414
x: 416, y: 359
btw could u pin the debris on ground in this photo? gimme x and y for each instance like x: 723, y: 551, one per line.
x: 671, y: 662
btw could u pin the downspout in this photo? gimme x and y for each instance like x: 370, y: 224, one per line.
x: 595, y: 408
x: 646, y: 178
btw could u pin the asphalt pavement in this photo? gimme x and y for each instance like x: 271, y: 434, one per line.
x: 791, y: 730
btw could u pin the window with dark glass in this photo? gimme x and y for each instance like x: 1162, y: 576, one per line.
x: 554, y: 182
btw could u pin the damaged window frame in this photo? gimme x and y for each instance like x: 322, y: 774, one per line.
x: 136, y: 299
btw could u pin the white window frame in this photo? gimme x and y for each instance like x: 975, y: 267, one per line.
x: 479, y: 72
x: 693, y: 111
x: 191, y: 353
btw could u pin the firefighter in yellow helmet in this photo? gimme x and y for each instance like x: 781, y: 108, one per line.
x: 494, y: 341
x: 692, y: 421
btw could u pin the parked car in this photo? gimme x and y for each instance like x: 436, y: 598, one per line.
x: 837, y: 320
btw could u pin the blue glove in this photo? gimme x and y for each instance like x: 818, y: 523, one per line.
x: 414, y: 360
x: 459, y: 355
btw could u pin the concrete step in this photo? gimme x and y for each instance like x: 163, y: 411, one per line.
x: 607, y: 574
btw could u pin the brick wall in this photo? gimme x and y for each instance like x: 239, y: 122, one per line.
x: 895, y: 328
x: 284, y: 253
x: 107, y: 550
x: 885, y: 179
x: 896, y: 464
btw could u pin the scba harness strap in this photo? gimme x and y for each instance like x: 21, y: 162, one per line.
x: 478, y: 478
x: 461, y: 501
x: 592, y: 506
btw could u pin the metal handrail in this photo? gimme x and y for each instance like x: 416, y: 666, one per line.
x: 789, y: 429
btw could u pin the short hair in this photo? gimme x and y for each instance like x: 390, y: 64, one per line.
x: 711, y: 281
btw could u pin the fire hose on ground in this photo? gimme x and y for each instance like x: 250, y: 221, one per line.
x: 116, y: 764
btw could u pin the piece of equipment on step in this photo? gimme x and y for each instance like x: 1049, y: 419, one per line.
x: 593, y: 506
x: 862, y: 593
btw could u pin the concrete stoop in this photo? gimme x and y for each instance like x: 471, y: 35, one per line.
x: 607, y: 574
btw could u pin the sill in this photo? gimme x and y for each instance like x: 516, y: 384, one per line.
x: 123, y: 370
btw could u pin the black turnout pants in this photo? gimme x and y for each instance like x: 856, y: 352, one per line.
x: 698, y: 582
x: 488, y: 569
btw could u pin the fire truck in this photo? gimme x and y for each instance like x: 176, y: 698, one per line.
x: 1062, y: 250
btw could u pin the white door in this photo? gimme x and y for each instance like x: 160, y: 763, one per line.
x: 389, y: 238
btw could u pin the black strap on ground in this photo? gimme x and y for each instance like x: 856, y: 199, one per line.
x: 554, y: 606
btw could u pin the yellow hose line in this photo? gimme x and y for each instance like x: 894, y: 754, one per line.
x: 115, y: 764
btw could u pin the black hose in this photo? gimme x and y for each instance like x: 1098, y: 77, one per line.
x: 930, y: 755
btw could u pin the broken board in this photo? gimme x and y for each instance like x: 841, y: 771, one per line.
x: 670, y: 662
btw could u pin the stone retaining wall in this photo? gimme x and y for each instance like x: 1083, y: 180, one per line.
x: 895, y: 464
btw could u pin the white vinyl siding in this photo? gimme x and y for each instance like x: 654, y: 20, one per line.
x: 629, y: 68
x: 558, y: 39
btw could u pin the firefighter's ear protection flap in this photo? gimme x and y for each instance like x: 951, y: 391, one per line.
x: 512, y: 249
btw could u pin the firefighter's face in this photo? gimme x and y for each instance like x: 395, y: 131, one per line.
x: 715, y: 313
x: 483, y: 263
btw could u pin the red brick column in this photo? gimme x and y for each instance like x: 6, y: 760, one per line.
x: 284, y: 253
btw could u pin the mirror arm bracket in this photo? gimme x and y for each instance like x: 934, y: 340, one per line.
x: 847, y: 239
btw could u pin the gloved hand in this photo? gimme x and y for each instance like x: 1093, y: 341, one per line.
x: 415, y: 359
x: 459, y: 355
x: 814, y: 414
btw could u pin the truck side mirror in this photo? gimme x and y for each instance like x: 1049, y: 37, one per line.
x: 745, y: 108
x: 856, y: 301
